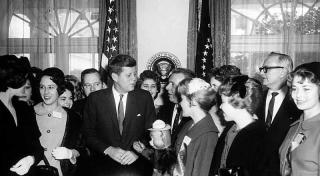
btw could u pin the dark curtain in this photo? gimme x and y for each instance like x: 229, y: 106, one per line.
x: 220, y: 12
x: 128, y: 28
x: 220, y: 16
x: 192, y: 34
x: 126, y: 12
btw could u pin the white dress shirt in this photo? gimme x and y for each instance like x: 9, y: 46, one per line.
x: 277, y: 101
x: 175, y: 110
x: 116, y: 96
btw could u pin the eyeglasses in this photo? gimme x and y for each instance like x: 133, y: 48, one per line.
x: 265, y: 68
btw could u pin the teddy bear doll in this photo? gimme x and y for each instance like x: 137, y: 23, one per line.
x: 160, y: 152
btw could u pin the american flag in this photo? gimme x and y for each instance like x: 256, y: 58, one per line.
x: 111, y: 33
x: 204, y: 57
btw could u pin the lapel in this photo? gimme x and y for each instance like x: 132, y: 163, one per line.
x: 129, y: 111
x: 8, y: 116
x: 280, y: 117
x: 203, y: 126
x: 113, y: 110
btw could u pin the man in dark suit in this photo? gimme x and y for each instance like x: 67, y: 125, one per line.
x: 171, y: 112
x: 90, y: 82
x: 278, y: 110
x: 116, y: 117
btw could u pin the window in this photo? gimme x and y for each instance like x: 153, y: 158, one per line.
x: 19, y: 26
x: 259, y: 27
x: 63, y: 34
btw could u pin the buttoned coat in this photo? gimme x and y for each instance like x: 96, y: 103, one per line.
x: 101, y: 127
x: 305, y: 159
x: 18, y: 141
x: 286, y: 115
x: 199, y: 152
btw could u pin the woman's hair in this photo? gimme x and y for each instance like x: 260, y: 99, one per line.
x: 69, y: 86
x: 77, y: 91
x: 223, y: 72
x: 198, y: 90
x: 244, y: 92
x: 57, y: 76
x: 148, y: 74
x: 310, y: 71
x: 13, y: 72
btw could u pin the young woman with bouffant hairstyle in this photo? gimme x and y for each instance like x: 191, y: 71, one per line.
x: 238, y: 150
x: 198, y: 137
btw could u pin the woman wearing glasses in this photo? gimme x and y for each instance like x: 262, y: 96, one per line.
x: 300, y: 151
x: 241, y: 96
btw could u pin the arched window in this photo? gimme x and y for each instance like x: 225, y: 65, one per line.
x: 56, y: 33
x: 261, y: 26
x: 19, y: 26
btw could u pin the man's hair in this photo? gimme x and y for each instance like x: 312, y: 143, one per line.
x: 88, y: 71
x: 283, y: 59
x: 186, y: 72
x: 223, y: 72
x: 116, y: 63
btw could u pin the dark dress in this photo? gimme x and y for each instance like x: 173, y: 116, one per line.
x: 244, y: 150
x: 18, y: 141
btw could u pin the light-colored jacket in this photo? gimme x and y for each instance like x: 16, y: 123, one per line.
x: 305, y: 157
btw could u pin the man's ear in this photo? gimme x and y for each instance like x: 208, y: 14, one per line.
x: 104, y: 85
x: 193, y: 103
x: 283, y: 73
x: 114, y: 76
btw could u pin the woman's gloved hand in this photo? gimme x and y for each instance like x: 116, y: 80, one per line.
x: 60, y: 153
x: 23, y: 165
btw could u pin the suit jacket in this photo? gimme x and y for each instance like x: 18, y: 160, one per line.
x: 72, y: 139
x: 244, y: 150
x: 78, y: 107
x: 166, y: 113
x: 305, y: 158
x: 203, y: 139
x: 287, y: 114
x: 18, y: 141
x: 101, y: 124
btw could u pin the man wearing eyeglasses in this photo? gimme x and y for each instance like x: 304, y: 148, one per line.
x: 278, y: 110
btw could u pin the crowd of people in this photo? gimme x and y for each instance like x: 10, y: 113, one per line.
x: 228, y: 124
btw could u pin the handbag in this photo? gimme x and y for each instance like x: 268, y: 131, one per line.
x: 46, y: 170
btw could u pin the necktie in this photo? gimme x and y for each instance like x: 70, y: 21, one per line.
x: 120, y: 114
x: 176, y: 120
x: 270, y: 109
